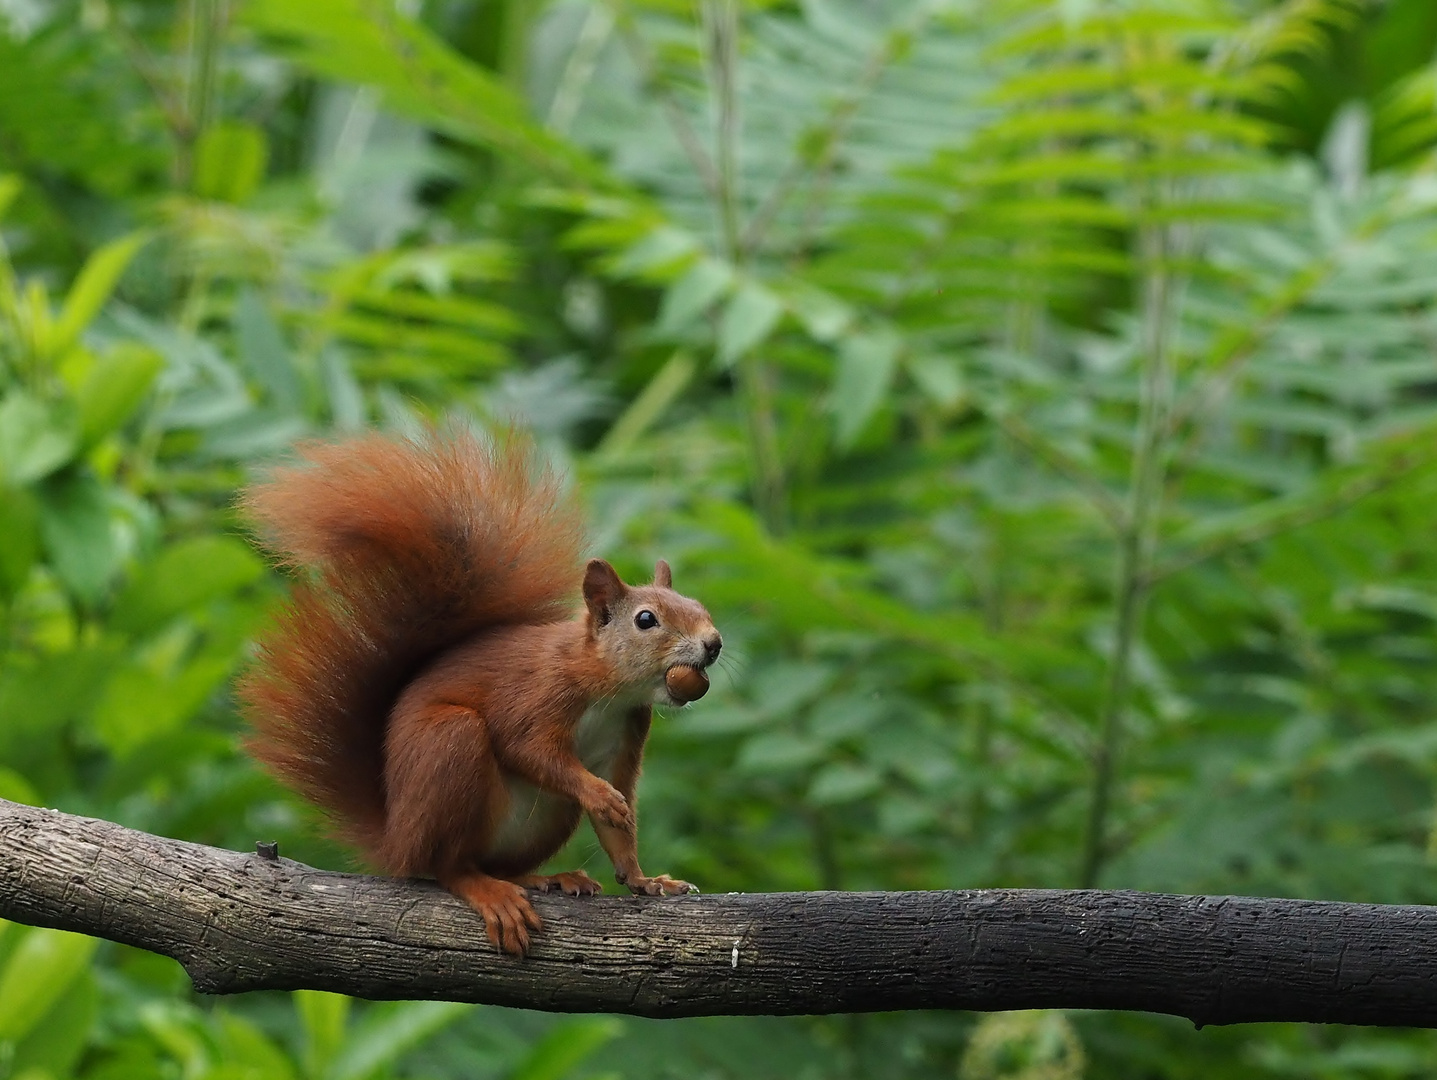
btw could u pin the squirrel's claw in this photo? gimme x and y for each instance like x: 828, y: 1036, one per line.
x: 570, y: 882
x: 508, y: 924
x: 508, y: 915
x: 659, y: 885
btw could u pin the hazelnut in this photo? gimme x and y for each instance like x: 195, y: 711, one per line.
x: 686, y: 683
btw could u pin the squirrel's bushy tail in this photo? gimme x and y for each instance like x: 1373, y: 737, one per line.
x: 410, y: 546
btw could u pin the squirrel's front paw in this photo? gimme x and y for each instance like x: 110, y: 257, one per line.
x: 659, y: 885
x: 608, y: 807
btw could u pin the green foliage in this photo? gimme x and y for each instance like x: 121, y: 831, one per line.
x: 419, y: 75
x: 1039, y: 394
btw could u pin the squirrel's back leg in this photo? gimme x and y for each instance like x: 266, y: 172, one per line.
x: 445, y: 799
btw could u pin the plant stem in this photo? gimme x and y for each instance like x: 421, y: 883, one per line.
x: 652, y: 76
x: 816, y: 166
x: 518, y: 20
x: 594, y: 34
x: 756, y: 377
x: 1131, y: 596
x: 770, y: 488
x: 1138, y: 539
x: 207, y: 19
x: 721, y: 29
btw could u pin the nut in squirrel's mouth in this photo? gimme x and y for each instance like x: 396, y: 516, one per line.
x: 685, y: 683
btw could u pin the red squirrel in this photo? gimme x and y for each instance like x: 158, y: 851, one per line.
x: 427, y: 686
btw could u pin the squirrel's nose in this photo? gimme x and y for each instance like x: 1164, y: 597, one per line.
x: 712, y: 646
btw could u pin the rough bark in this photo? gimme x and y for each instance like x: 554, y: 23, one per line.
x: 246, y: 922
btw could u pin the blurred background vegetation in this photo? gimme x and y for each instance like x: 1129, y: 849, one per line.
x: 1039, y: 392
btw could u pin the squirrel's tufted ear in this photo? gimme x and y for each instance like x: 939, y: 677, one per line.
x: 663, y: 576
x: 602, y: 589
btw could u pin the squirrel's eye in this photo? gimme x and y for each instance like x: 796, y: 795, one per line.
x: 646, y: 620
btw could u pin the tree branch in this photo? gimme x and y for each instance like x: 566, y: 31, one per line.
x: 246, y: 922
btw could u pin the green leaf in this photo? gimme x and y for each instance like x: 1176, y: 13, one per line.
x: 694, y: 293
x: 821, y: 314
x: 39, y: 698
x: 567, y: 1046
x: 80, y: 542
x: 177, y: 1026
x: 52, y: 1048
x: 844, y: 716
x: 939, y: 377
x: 139, y: 704
x: 347, y: 410
x: 323, y: 1017
x: 249, y: 1052
x: 748, y: 318
x: 19, y: 539
x: 389, y: 1031
x: 10, y: 186
x: 720, y: 719
x: 36, y: 437
x: 759, y: 566
x: 92, y: 289
x: 264, y: 353
x: 114, y: 389
x: 371, y: 43
x: 40, y: 970
x: 459, y: 312
x: 184, y: 576
x: 660, y: 393
x: 784, y: 687
x: 16, y: 788
x: 255, y: 433
x: 842, y: 783
x: 776, y: 752
x: 655, y: 253
x: 230, y: 161
x: 866, y: 364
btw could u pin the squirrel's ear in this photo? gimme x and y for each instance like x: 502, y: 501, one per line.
x: 602, y: 589
x: 663, y: 576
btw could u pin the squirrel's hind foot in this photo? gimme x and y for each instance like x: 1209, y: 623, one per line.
x: 509, y: 918
x: 571, y: 882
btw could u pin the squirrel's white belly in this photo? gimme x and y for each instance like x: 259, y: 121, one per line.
x: 597, y: 739
x: 600, y: 734
x: 531, y: 813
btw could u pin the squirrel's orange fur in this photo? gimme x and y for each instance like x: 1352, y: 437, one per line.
x: 424, y: 685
